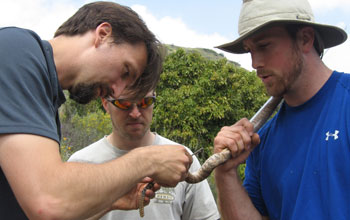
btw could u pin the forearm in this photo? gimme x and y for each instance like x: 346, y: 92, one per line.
x: 47, y: 188
x: 93, y: 188
x: 233, y: 200
x: 98, y: 215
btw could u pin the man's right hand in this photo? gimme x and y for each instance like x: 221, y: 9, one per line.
x: 239, y: 139
x: 170, y: 164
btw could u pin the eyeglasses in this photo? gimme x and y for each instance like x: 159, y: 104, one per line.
x: 125, y: 104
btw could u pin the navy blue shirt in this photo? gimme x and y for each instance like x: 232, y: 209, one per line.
x: 301, y: 169
x: 30, y: 96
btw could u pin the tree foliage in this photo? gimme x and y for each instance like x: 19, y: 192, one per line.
x: 82, y: 125
x: 197, y: 96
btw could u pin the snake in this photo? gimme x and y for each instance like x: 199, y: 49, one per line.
x: 142, y: 198
x: 258, y: 120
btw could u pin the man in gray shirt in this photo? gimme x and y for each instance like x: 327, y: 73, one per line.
x: 131, y: 129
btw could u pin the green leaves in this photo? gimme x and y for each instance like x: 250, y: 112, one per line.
x: 197, y: 96
x: 82, y: 125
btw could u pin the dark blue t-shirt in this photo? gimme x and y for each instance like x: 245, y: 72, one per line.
x: 30, y: 96
x: 301, y: 169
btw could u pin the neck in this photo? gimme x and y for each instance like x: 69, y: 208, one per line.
x: 128, y: 144
x: 67, y: 53
x: 313, y: 77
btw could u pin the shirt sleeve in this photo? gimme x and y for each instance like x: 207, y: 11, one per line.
x: 25, y: 91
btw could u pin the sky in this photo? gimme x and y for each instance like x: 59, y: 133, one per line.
x: 186, y: 23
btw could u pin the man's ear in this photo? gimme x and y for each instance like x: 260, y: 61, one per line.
x: 103, y: 33
x: 105, y: 104
x: 306, y: 38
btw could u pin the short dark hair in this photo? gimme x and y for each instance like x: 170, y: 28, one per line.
x: 127, y: 27
x: 292, y: 30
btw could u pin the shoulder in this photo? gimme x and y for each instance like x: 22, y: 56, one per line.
x: 17, y: 38
x: 21, y: 46
x: 26, y: 81
x: 343, y: 79
x: 160, y: 140
x: 16, y: 32
x: 98, y: 152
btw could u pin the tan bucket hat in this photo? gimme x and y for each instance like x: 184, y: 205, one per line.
x: 257, y: 14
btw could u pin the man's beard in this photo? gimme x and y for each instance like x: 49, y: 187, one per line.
x: 84, y: 93
x: 296, y: 71
x: 284, y: 83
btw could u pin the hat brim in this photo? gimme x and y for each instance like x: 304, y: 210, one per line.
x: 331, y: 35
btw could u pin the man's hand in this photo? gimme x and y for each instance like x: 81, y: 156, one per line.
x: 239, y: 139
x: 170, y: 164
x: 131, y: 200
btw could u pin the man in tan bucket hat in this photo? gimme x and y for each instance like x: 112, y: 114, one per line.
x: 297, y: 166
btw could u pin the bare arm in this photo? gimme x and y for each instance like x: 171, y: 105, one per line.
x: 47, y: 188
x: 233, y: 200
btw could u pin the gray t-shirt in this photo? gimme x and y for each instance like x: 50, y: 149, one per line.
x: 183, y: 202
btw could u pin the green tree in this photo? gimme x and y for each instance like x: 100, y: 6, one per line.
x: 82, y: 125
x: 197, y: 96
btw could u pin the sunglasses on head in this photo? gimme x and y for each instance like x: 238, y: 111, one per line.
x: 125, y: 104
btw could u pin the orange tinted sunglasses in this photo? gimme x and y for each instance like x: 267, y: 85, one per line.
x: 125, y: 104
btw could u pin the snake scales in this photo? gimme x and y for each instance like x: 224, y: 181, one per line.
x: 142, y: 198
x: 258, y: 120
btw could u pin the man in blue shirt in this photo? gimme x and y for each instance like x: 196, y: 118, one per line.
x: 297, y: 164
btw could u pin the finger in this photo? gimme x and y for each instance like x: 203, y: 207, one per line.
x: 156, y: 187
x: 146, y: 201
x: 246, y: 139
x: 255, y: 141
x: 150, y: 193
x: 229, y: 132
x: 231, y: 140
x: 190, y: 159
x: 240, y: 134
x: 147, y: 180
x: 245, y: 123
x: 249, y: 127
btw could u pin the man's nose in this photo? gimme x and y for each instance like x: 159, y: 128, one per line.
x: 257, y: 60
x: 135, y: 112
x: 118, y: 88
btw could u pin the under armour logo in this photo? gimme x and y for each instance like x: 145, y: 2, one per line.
x: 335, y: 135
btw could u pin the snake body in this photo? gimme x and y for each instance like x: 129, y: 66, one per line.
x: 258, y: 120
x: 142, y: 198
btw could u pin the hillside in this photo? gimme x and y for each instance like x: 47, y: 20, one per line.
x: 206, y: 53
